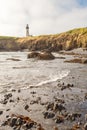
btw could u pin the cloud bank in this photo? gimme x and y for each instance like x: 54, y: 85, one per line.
x: 43, y: 16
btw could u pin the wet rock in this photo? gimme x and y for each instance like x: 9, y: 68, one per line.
x: 7, y: 109
x: 33, y: 54
x: 18, y: 98
x: 46, y: 56
x: 41, y: 55
x: 4, y: 102
x: 85, y: 126
x: 7, y: 96
x: 11, y: 100
x: 33, y: 92
x: 73, y: 116
x: 48, y: 115
x: 7, y: 116
x: 43, y: 103
x: 9, y: 119
x: 59, y: 119
x: 4, y: 123
x: 60, y: 58
x: 79, y: 60
x: 19, y: 121
x: 29, y: 125
x: 13, y: 59
x: 38, y: 99
x: 19, y: 91
x: 49, y: 106
x: 59, y: 100
x: 1, y: 112
x: 67, y: 86
x: 13, y: 121
x: 26, y: 107
x: 13, y: 90
x: 58, y: 107
x: 34, y: 102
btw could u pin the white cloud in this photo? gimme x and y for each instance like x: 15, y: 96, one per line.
x: 43, y: 16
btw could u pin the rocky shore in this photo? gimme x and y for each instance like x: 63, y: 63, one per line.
x: 59, y: 105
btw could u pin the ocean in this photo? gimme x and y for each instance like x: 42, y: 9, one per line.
x: 27, y: 72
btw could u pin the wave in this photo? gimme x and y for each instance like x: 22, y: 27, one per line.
x: 61, y: 75
x: 54, y: 78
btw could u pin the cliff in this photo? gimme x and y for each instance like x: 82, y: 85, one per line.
x: 68, y: 40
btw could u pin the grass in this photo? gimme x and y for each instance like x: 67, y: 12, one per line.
x: 67, y: 40
x: 7, y: 37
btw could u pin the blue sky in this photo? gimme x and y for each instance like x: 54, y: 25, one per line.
x: 43, y: 16
x: 83, y: 3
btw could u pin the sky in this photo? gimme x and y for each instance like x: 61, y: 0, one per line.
x: 43, y: 16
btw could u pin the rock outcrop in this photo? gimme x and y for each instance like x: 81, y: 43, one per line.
x: 79, y: 60
x: 41, y: 55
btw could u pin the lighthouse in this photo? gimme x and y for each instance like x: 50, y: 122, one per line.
x: 27, y: 30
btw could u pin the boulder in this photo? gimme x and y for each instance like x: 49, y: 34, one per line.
x: 33, y: 54
x: 46, y: 56
x: 41, y: 55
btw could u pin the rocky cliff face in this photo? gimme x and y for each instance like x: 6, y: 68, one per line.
x: 67, y: 41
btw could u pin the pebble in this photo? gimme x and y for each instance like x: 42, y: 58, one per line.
x: 1, y: 112
x: 13, y: 90
x: 33, y: 92
x: 19, y: 91
x: 26, y: 107
x: 11, y: 100
x: 7, y: 116
x: 7, y: 109
x: 18, y: 98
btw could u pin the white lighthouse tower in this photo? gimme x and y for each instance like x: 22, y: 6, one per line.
x: 27, y: 30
